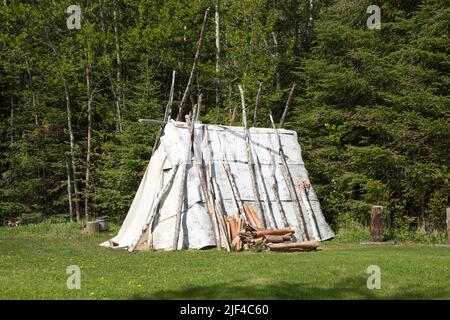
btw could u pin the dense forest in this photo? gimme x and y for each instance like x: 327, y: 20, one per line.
x: 371, y: 108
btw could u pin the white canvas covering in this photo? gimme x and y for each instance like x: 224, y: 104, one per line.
x: 217, y: 144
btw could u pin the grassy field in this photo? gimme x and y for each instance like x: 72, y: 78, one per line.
x: 34, y: 258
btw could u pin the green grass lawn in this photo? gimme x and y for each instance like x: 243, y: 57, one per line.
x: 34, y: 258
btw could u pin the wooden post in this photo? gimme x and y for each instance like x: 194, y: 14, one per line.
x: 194, y: 68
x: 448, y: 226
x: 302, y: 186
x: 375, y: 223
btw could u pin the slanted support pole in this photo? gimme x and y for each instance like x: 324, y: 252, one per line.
x: 258, y: 99
x: 194, y: 68
x: 183, y: 186
x: 288, y: 105
x: 250, y: 161
x: 290, y: 184
x: 167, y: 113
x: 375, y: 223
x: 152, y: 122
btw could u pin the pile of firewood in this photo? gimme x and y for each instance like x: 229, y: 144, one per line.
x: 250, y: 234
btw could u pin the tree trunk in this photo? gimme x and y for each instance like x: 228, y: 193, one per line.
x: 89, y: 138
x: 278, y: 77
x: 12, y: 119
x: 33, y: 96
x: 69, y: 191
x: 72, y: 150
x: 217, y: 79
x: 119, y: 91
x: 310, y: 19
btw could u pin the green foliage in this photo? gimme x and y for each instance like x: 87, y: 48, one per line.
x: 371, y: 110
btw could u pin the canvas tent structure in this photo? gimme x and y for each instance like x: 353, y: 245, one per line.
x: 206, y: 168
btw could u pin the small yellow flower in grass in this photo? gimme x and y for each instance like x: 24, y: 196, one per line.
x: 92, y: 293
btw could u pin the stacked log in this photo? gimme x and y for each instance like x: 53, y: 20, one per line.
x: 250, y: 234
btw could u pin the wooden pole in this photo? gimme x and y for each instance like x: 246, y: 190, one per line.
x: 375, y: 223
x: 194, y: 68
x: 258, y: 99
x: 167, y: 113
x: 213, y: 191
x: 304, y: 198
x: 182, y: 190
x: 269, y: 212
x: 199, y: 107
x: 448, y: 226
x: 290, y: 184
x: 288, y: 105
x: 230, y: 178
x: 148, y: 225
x: 201, y: 173
x: 276, y: 192
x: 250, y: 162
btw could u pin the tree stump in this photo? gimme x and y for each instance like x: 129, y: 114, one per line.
x: 92, y: 227
x: 375, y: 223
x: 448, y: 226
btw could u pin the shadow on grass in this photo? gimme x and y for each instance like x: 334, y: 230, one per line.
x: 348, y: 288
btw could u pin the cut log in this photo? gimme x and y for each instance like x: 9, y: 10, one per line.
x: 280, y: 232
x: 233, y: 226
x: 258, y: 222
x: 236, y: 244
x: 277, y: 239
x: 249, y: 216
x: 295, y: 246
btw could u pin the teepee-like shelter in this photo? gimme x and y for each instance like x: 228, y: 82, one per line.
x: 201, y: 173
x: 205, y: 185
